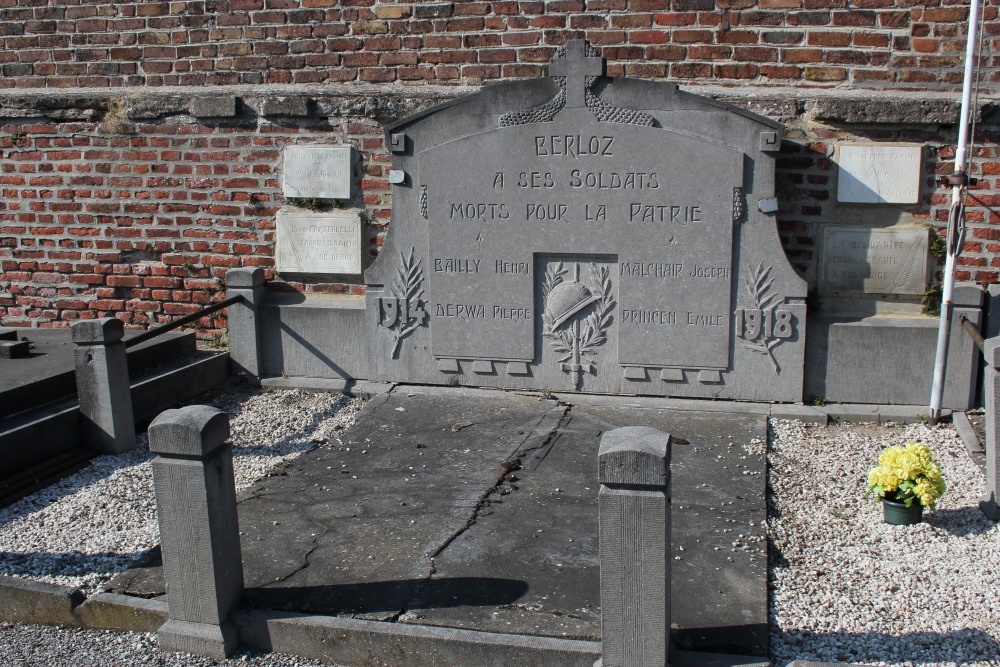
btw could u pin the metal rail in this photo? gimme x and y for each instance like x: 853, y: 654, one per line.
x: 187, y: 319
x: 973, y: 332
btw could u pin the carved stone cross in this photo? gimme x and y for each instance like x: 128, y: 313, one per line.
x: 576, y: 66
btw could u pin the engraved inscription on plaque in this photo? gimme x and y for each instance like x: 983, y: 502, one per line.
x: 874, y: 261
x: 879, y: 173
x: 319, y: 242
x: 582, y: 187
x: 323, y: 172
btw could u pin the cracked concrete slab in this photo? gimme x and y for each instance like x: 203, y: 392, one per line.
x: 478, y: 509
x: 546, y: 534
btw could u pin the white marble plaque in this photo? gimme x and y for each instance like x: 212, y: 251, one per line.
x: 323, y: 172
x: 874, y: 261
x: 319, y: 242
x: 879, y: 173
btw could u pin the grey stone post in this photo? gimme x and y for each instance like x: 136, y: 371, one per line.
x: 244, y: 325
x: 199, y: 532
x: 634, y: 508
x: 990, y: 503
x: 102, y: 384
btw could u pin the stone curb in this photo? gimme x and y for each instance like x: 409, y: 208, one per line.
x: 342, y: 640
x: 111, y: 611
x: 356, y: 388
x: 29, y: 601
x: 819, y: 414
x: 41, y: 603
x: 967, y: 433
x: 358, y: 642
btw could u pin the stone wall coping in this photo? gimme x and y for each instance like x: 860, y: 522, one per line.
x: 855, y: 105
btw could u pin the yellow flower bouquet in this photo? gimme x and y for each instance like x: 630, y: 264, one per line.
x: 906, y: 474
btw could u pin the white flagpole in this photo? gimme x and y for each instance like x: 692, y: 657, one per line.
x: 956, y: 218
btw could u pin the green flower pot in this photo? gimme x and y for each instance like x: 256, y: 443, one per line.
x: 896, y: 513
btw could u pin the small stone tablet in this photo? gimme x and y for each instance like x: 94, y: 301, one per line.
x: 874, y: 261
x: 319, y: 242
x: 879, y: 173
x: 317, y: 171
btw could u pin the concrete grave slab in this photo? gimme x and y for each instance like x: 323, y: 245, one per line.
x: 456, y: 508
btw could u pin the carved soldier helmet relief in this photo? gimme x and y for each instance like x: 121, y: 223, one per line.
x: 566, y: 300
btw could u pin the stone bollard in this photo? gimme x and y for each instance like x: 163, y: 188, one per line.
x: 244, y: 325
x: 990, y: 503
x: 634, y: 508
x: 199, y: 532
x: 102, y: 383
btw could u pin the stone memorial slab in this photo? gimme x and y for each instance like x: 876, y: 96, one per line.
x: 874, y: 261
x: 318, y: 242
x: 879, y: 173
x: 587, y: 233
x: 323, y: 172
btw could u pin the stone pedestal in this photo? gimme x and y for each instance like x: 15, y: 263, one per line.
x: 990, y: 503
x: 102, y: 384
x: 244, y: 329
x: 634, y: 506
x: 199, y: 532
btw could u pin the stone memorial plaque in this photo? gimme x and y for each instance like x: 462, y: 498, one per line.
x: 319, y: 242
x: 323, y: 172
x: 879, y: 173
x: 592, y: 200
x: 874, y: 261
x: 588, y: 234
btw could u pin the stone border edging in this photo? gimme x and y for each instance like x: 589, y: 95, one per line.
x: 42, y: 603
x: 344, y: 640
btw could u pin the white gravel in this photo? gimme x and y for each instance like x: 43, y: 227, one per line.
x: 39, y: 646
x: 847, y: 587
x: 97, y: 522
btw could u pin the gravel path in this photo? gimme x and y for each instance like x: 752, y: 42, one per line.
x: 844, y: 585
x: 39, y: 646
x: 847, y: 587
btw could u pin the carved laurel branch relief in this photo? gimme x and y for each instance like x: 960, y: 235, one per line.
x: 404, y: 310
x: 902, y: 277
x: 760, y: 326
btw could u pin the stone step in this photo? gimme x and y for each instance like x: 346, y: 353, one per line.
x: 47, y: 375
x: 53, y: 428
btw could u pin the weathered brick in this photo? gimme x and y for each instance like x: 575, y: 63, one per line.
x: 689, y: 36
x: 389, y: 12
x: 676, y: 18
x: 690, y: 70
x: 651, y: 37
x: 434, y: 11
x: 371, y: 28
x: 824, y: 73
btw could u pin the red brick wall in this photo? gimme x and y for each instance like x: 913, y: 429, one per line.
x: 899, y: 44
x: 807, y: 193
x: 105, y: 211
x: 142, y: 221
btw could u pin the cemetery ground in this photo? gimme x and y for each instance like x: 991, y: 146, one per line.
x: 382, y: 521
